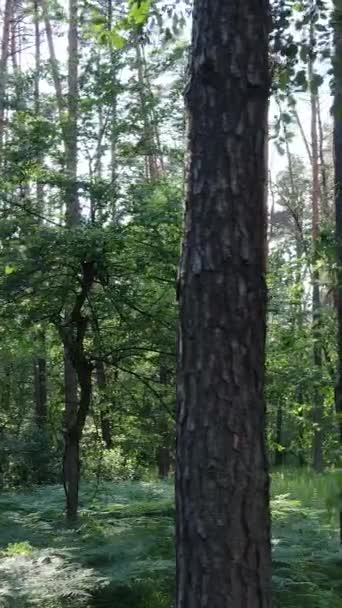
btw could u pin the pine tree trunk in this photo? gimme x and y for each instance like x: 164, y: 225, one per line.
x: 338, y: 205
x: 54, y: 66
x: 316, y: 295
x: 73, y: 431
x: 73, y: 211
x: 114, y: 119
x: 39, y: 364
x: 3, y: 65
x: 150, y: 148
x: 222, y: 487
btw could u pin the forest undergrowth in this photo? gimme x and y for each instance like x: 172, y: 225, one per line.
x: 121, y: 553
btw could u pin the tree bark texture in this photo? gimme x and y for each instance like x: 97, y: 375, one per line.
x: 77, y: 368
x: 222, y: 487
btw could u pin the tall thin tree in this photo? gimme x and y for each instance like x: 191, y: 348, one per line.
x: 8, y: 14
x: 338, y: 204
x: 316, y: 291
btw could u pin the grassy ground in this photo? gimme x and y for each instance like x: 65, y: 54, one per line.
x: 121, y: 555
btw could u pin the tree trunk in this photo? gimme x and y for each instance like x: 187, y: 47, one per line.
x: 279, y: 455
x: 73, y: 211
x: 3, y: 65
x: 71, y: 463
x: 222, y: 486
x: 73, y: 407
x: 106, y: 427
x: 114, y: 118
x: 338, y: 201
x: 76, y: 415
x: 40, y: 391
x: 150, y: 147
x: 316, y: 296
x: 163, y: 462
x: 338, y: 205
x: 324, y: 192
x: 39, y: 364
x: 54, y: 66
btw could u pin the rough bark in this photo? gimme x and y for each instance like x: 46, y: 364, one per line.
x: 77, y: 375
x: 338, y: 208
x: 222, y: 487
x: 3, y: 65
x: 316, y: 295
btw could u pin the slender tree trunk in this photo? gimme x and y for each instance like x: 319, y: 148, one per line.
x: 76, y: 412
x: 338, y: 207
x: 279, y: 455
x: 114, y: 119
x: 73, y: 212
x: 105, y: 418
x: 163, y: 452
x: 150, y: 148
x: 222, y: 487
x: 316, y: 296
x: 71, y: 447
x: 40, y: 384
x: 73, y: 406
x: 40, y: 367
x: 163, y: 462
x: 324, y: 194
x: 54, y: 66
x: 8, y: 14
x: 302, y: 132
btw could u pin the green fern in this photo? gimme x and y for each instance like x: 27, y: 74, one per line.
x: 122, y: 552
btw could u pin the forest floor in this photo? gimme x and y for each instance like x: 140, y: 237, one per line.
x: 121, y: 555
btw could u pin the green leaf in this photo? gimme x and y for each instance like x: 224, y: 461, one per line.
x: 9, y: 269
x: 138, y: 11
x: 117, y: 40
